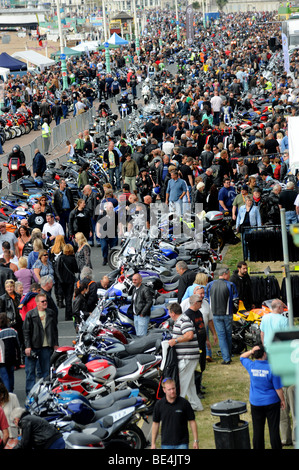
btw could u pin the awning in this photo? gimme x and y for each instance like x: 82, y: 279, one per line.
x: 39, y: 60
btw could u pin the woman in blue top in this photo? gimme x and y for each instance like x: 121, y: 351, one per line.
x: 265, y: 397
x: 248, y: 216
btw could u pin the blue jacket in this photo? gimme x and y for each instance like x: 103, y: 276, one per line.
x: 39, y: 164
x: 254, y: 216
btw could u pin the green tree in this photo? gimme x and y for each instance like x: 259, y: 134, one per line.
x: 221, y: 4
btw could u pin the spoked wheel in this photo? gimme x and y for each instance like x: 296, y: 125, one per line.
x: 113, y: 258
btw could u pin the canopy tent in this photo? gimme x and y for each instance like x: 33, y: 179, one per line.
x: 67, y: 51
x: 117, y: 40
x: 114, y: 42
x: 34, y: 58
x: 8, y: 62
x: 89, y: 46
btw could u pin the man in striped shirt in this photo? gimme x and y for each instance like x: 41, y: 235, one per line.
x: 184, y: 340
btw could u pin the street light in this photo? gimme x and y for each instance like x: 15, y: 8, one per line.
x: 107, y: 53
x: 177, y: 20
x: 136, y: 29
x: 62, y: 55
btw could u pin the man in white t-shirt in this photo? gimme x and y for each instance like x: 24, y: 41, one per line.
x: 51, y: 228
x: 216, y: 104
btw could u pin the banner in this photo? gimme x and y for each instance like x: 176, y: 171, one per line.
x: 189, y: 25
x: 293, y: 138
x: 285, y: 49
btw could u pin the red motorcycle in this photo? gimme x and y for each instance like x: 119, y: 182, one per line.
x: 16, y: 169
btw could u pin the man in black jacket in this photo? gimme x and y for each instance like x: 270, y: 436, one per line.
x: 142, y: 301
x: 242, y: 281
x: 39, y: 164
x: 112, y: 159
x: 63, y: 204
x: 186, y: 278
x: 37, y: 433
x: 40, y: 339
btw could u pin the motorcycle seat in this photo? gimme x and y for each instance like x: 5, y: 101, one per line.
x: 171, y: 286
x: 138, y: 346
x: 106, y: 402
x: 183, y: 257
x: 170, y: 263
x: 167, y: 296
x: 169, y: 279
x: 118, y: 405
x: 157, y: 312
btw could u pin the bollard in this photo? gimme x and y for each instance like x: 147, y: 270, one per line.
x: 230, y: 432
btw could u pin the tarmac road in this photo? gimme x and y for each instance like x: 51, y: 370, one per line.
x: 65, y: 329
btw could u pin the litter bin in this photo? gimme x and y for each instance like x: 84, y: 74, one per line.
x: 231, y: 432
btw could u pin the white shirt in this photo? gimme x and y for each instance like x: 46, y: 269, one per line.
x: 216, y: 103
x: 54, y: 229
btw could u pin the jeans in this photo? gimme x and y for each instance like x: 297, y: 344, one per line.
x: 63, y: 220
x: 223, y: 327
x: 58, y: 444
x: 64, y: 110
x: 106, y: 243
x: 57, y: 120
x: 44, y: 356
x: 291, y: 217
x: 179, y: 446
x: 93, y: 225
x: 114, y: 172
x: 141, y: 324
x: 7, y: 376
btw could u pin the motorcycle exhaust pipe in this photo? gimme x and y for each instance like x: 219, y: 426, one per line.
x: 151, y: 374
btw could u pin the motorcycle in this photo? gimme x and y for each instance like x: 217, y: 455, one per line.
x: 15, y: 169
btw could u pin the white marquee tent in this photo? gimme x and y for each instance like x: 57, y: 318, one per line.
x: 39, y: 60
x: 89, y: 46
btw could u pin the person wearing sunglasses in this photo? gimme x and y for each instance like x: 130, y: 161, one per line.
x: 40, y: 338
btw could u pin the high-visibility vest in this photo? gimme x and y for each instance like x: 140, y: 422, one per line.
x: 46, y: 130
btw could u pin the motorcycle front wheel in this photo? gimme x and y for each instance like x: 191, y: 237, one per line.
x: 113, y: 258
x: 133, y: 436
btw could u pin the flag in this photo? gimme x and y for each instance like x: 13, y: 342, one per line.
x: 40, y: 43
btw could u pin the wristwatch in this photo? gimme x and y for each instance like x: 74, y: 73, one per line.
x: 196, y: 440
x: 176, y: 341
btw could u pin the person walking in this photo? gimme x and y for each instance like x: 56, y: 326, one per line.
x: 107, y: 230
x: 80, y: 220
x: 224, y: 300
x: 66, y: 268
x: 10, y: 352
x: 187, y: 278
x: 39, y: 164
x: 266, y: 397
x: 130, y: 172
x: 175, y: 414
x: 63, y: 204
x: 46, y: 135
x: 175, y: 192
x: 272, y: 322
x: 140, y: 307
x: 40, y: 338
x: 185, y: 342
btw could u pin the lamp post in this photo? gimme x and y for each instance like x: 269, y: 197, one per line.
x: 107, y: 53
x: 136, y: 30
x: 177, y: 20
x: 62, y: 55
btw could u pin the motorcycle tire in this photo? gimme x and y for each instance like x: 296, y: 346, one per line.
x: 217, y: 242
x: 113, y: 258
x: 3, y: 137
x: 27, y: 129
x: 18, y: 131
x: 22, y: 129
x: 57, y: 359
x: 8, y: 134
x: 117, y: 445
x: 133, y: 436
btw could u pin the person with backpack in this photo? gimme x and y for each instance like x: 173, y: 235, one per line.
x: 133, y: 85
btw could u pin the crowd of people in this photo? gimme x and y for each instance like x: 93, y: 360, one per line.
x: 190, y: 154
